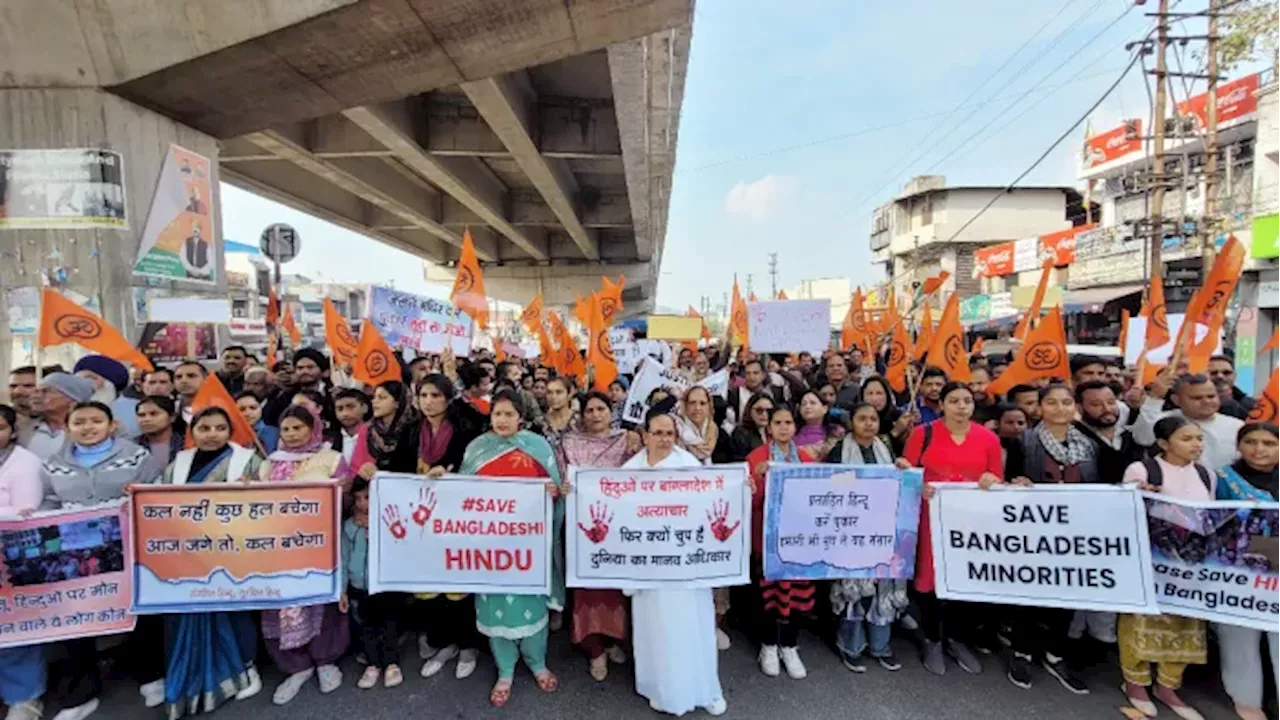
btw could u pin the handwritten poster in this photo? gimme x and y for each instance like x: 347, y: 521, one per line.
x: 235, y: 546
x: 840, y: 521
x: 649, y: 529
x: 1216, y: 561
x: 408, y: 320
x: 66, y: 574
x: 626, y: 353
x: 459, y: 533
x: 1082, y: 547
x: 789, y: 325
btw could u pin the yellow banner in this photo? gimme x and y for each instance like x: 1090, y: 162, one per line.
x: 674, y: 327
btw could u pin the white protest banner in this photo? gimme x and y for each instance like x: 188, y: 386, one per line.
x: 1082, y: 547
x: 717, y: 382
x: 659, y: 528
x: 459, y: 533
x: 650, y: 377
x: 789, y: 325
x: 408, y: 320
x: 1136, y: 339
x: 626, y: 353
x: 1216, y: 560
x: 840, y: 521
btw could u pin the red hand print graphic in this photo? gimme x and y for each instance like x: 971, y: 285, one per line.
x: 391, y: 517
x: 718, y: 516
x: 424, y: 507
x: 600, y: 519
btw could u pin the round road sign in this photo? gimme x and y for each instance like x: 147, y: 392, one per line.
x: 280, y: 242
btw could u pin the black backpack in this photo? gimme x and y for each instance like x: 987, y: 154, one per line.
x: 1155, y: 474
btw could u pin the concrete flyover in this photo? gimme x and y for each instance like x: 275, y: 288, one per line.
x: 547, y: 127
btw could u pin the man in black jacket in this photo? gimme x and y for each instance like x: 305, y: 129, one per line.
x: 1100, y: 416
x: 1232, y: 400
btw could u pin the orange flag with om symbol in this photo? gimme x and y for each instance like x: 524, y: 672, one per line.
x: 468, y: 284
x: 947, y: 350
x: 62, y: 321
x: 213, y: 393
x: 375, y: 360
x: 599, y: 349
x: 337, y: 335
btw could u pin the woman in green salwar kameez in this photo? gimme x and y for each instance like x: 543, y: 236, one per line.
x: 516, y: 625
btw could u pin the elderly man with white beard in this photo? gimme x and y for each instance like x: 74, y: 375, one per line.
x: 110, y: 378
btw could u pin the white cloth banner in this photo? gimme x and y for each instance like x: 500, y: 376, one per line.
x: 459, y: 534
x: 1083, y: 547
x: 660, y: 528
x: 789, y: 325
x: 659, y: 350
x: 652, y: 376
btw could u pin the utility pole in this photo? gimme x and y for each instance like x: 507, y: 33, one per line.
x: 773, y: 275
x: 748, y: 284
x: 1156, y: 220
x: 1209, y: 223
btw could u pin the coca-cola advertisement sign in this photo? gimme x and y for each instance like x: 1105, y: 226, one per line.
x: 993, y: 261
x: 1236, y: 99
x: 1113, y: 144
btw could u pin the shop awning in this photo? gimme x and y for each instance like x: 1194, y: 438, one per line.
x: 1089, y: 300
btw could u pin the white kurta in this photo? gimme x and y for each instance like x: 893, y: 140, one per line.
x: 674, y: 633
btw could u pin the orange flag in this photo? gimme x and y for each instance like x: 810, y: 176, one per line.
x: 62, y: 321
x: 1042, y: 354
x: 213, y: 393
x: 273, y: 309
x: 337, y: 335
x: 1032, y: 317
x: 1124, y: 329
x: 738, y: 316
x: 854, y: 326
x: 1216, y: 293
x: 582, y: 309
x: 468, y: 285
x: 1273, y: 343
x: 895, y: 370
x: 978, y: 345
x: 935, y: 283
x: 375, y: 360
x: 610, y: 298
x: 531, y: 316
x: 924, y: 336
x: 599, y: 350
x: 1265, y: 409
x: 752, y: 297
x: 273, y: 348
x: 291, y: 327
x: 570, y: 360
x: 499, y: 354
x: 1157, y: 318
x: 782, y: 295
x: 947, y: 351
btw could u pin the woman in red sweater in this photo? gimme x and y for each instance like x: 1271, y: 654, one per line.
x: 783, y: 598
x: 950, y: 449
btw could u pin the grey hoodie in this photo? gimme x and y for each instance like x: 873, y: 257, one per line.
x: 66, y: 482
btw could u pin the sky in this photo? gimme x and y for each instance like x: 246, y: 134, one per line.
x: 800, y: 117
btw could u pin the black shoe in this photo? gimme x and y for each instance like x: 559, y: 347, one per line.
x: 1057, y: 667
x: 1020, y: 670
x: 889, y: 662
x: 856, y: 664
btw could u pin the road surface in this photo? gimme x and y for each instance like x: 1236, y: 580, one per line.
x: 829, y: 693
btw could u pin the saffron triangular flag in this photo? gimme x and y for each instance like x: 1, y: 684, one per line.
x: 738, y: 324
x: 531, y: 316
x: 1032, y: 317
x: 782, y: 295
x: 570, y: 361
x: 1264, y: 410
x: 337, y: 335
x: 610, y: 298
x: 375, y: 360
x: 1043, y: 354
x: 947, y: 351
x: 599, y: 349
x: 213, y: 393
x: 62, y: 321
x: 290, y: 326
x: 468, y: 284
x: 895, y: 370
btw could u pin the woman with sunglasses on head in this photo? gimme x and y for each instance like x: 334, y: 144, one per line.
x: 209, y: 656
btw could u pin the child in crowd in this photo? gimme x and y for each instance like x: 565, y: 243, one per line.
x: 373, y: 616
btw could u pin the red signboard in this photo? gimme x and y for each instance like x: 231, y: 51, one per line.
x: 1114, y: 143
x: 1236, y: 99
x: 993, y: 261
x: 1061, y: 246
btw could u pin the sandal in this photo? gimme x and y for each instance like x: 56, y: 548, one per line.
x: 500, y: 694
x: 547, y: 681
x: 599, y: 668
x: 370, y: 678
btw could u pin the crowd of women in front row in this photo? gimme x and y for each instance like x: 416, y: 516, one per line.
x: 209, y: 658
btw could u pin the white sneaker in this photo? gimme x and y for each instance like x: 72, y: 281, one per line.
x: 254, y: 686
x: 616, y: 654
x: 79, y: 712
x: 425, y: 651
x: 791, y: 660
x: 25, y: 710
x: 722, y: 640
x: 717, y: 708
x: 330, y: 678
x: 438, y: 661
x: 153, y: 693
x: 769, y: 661
x: 466, y: 663
x: 288, y: 689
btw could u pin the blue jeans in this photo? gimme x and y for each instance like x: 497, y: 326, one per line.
x: 854, y: 635
x: 22, y: 674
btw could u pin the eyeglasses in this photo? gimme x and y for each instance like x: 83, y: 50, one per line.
x: 761, y: 410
